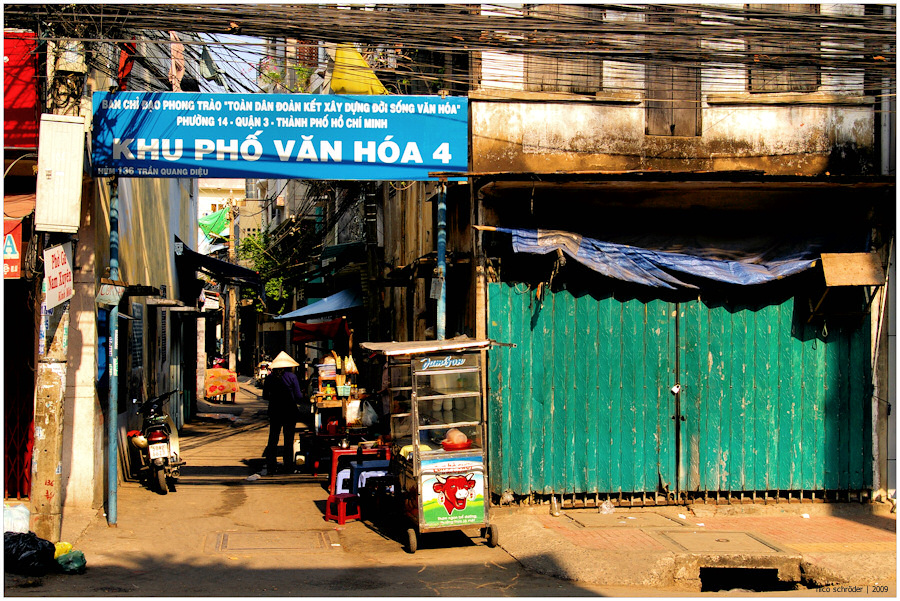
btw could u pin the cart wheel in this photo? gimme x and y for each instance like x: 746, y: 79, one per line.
x: 491, y: 535
x: 413, y: 543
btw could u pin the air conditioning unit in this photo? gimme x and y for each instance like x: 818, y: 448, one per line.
x: 279, y: 202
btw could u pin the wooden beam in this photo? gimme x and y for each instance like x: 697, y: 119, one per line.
x: 852, y: 269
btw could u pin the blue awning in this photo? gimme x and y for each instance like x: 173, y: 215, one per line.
x: 340, y: 301
x: 655, y: 267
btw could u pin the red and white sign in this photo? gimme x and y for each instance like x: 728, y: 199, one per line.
x: 58, y: 275
x: 12, y: 248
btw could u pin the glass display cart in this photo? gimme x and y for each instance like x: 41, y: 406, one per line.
x: 438, y: 434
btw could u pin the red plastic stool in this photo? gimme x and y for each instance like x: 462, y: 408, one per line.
x: 340, y: 502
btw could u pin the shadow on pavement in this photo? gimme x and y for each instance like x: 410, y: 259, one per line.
x: 225, y: 576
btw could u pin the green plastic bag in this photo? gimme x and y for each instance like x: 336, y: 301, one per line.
x: 72, y: 562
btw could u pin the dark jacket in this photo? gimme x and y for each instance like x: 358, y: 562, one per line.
x: 283, y: 394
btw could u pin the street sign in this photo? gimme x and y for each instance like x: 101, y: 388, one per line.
x: 279, y: 136
x: 58, y: 275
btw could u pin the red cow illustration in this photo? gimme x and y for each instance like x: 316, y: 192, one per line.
x: 454, y: 490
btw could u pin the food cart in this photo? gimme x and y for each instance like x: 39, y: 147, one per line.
x: 438, y: 434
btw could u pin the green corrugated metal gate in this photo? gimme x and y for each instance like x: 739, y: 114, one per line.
x: 582, y: 404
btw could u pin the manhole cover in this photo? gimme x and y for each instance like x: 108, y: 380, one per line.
x: 622, y: 520
x: 717, y: 542
x: 297, y: 541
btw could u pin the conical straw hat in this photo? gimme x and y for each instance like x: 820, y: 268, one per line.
x: 283, y: 360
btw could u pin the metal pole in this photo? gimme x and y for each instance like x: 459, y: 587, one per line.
x: 233, y: 336
x: 112, y: 425
x: 442, y: 262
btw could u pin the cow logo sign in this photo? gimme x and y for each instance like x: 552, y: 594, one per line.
x: 453, y: 492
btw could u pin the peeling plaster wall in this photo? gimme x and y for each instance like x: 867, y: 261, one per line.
x: 831, y: 130
x: 83, y: 457
x: 796, y: 139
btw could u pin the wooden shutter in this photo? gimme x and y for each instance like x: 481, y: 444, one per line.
x: 574, y: 74
x: 772, y: 69
x: 672, y: 89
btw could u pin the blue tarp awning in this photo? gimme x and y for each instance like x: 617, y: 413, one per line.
x: 655, y: 267
x: 340, y: 301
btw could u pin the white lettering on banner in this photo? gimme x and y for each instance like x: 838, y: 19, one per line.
x: 284, y: 152
x: 143, y: 147
x: 223, y: 147
x: 226, y: 133
x: 359, y: 152
x: 203, y: 148
x: 327, y: 151
x: 195, y: 120
x: 179, y: 105
x: 251, y: 149
x: 172, y: 156
x: 120, y: 148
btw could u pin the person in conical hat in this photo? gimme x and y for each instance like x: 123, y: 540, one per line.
x: 283, y: 360
x: 282, y: 390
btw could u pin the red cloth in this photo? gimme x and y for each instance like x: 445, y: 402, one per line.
x: 337, y: 329
x: 126, y: 62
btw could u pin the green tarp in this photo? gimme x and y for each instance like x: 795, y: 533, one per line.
x: 215, y: 225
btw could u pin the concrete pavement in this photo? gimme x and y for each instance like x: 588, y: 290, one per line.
x: 226, y: 532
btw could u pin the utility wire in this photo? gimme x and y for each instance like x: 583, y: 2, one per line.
x: 635, y: 35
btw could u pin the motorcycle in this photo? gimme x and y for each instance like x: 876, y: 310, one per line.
x: 160, y: 463
x: 262, y: 371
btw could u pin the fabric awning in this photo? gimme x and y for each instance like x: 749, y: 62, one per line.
x: 336, y: 329
x: 340, y: 301
x: 220, y: 270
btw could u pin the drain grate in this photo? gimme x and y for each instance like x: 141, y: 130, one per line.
x: 717, y: 542
x: 297, y: 541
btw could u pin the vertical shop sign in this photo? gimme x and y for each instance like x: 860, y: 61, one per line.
x: 12, y: 248
x: 58, y: 274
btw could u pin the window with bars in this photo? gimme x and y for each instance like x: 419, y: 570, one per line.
x: 775, y: 55
x: 251, y: 190
x: 570, y: 72
x: 672, y: 87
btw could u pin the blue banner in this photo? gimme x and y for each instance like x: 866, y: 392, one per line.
x: 278, y: 136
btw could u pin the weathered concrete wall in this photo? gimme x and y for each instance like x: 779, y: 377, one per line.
x: 804, y: 139
x: 830, y: 130
x: 83, y: 458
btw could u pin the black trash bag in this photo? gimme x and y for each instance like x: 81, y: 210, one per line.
x: 26, y: 554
